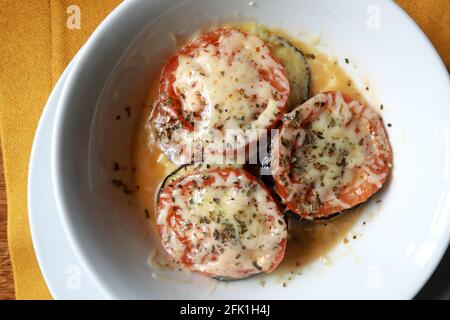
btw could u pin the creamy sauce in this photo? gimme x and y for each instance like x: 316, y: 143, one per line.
x: 152, y: 164
x: 307, y: 241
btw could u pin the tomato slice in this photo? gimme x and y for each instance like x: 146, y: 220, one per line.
x: 215, y: 93
x: 221, y: 222
x: 331, y: 154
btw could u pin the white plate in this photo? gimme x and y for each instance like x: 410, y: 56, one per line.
x: 399, y: 248
x: 64, y: 276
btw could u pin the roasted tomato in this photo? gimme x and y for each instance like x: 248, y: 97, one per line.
x: 215, y: 94
x: 221, y: 222
x: 331, y: 154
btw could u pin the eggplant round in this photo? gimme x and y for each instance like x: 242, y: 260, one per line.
x: 294, y: 62
x: 220, y: 211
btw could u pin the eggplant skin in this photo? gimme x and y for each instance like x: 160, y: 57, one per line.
x: 231, y: 279
x: 179, y: 172
x: 294, y: 62
x: 296, y: 68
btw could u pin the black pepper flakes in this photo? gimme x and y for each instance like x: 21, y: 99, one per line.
x: 120, y: 184
x: 126, y: 190
x: 256, y: 265
x: 117, y: 183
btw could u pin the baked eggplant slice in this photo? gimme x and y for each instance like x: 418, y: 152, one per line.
x: 221, y: 222
x: 178, y: 173
x: 186, y: 169
x: 181, y: 172
x: 331, y: 154
x: 294, y: 62
x: 216, y: 94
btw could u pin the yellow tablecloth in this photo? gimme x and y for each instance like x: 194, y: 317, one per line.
x: 36, y: 45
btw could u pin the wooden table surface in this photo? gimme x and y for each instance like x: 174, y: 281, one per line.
x: 6, y: 278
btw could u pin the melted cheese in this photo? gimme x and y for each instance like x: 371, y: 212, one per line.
x: 233, y: 225
x: 223, y: 92
x: 339, y: 149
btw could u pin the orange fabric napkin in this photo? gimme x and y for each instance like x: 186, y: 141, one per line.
x: 433, y: 17
x: 36, y: 46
